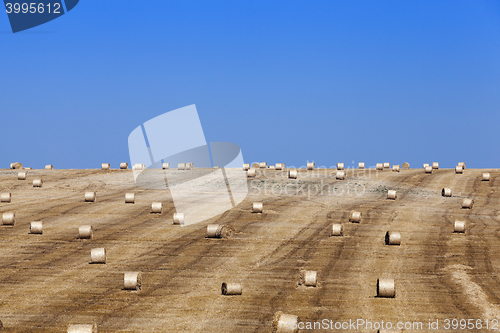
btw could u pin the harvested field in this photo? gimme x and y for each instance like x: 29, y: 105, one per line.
x: 47, y: 283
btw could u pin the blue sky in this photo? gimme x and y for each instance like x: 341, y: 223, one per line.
x: 288, y: 81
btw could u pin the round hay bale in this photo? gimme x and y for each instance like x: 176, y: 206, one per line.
x: 181, y: 166
x: 36, y: 228
x: 27, y: 168
x: 139, y: 166
x: 385, y: 288
x: 392, y: 195
x: 340, y: 166
x: 280, y: 166
x: 461, y: 164
x: 396, y: 168
x: 90, y: 196
x: 251, y: 173
x: 165, y: 166
x: 392, y: 238
x: 178, y: 219
x: 355, y: 217
x: 446, y: 192
x: 428, y: 169
x: 285, y: 323
x: 255, y: 165
x: 459, y: 169
x: 16, y: 165
x: 132, y: 281
x: 228, y: 289
x: 246, y: 166
x: 337, y: 229
x: 311, y: 166
x: 124, y: 165
x: 82, y: 329
x: 8, y: 218
x: 308, y: 278
x: 85, y: 232
x: 263, y: 165
x: 435, y: 165
x: 271, y: 167
x: 387, y: 165
x: 214, y: 230
x: 49, y: 167
x: 406, y: 166
x: 37, y: 182
x: 98, y: 256
x: 156, y: 208
x: 21, y: 175
x: 467, y: 203
x: 486, y: 177
x: 292, y: 174
x: 425, y: 165
x: 361, y: 165
x: 459, y: 227
x: 189, y: 166
x: 340, y: 175
x: 130, y: 198
x: 257, y: 207
x: 379, y: 166
x: 105, y: 166
x: 216, y: 167
x: 5, y: 197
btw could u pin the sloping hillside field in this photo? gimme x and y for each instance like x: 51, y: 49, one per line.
x: 47, y: 281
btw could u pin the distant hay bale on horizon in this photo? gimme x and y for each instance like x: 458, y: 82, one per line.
x: 311, y: 166
x: 396, y: 168
x: 105, y: 166
x: 285, y: 323
x: 486, y: 177
x: 16, y: 165
x: 37, y: 182
x: 461, y: 164
x: 379, y: 166
x: 435, y: 165
x: 123, y: 165
x: 459, y: 169
x: 280, y: 166
x: 387, y: 165
x: 231, y: 289
x: 263, y: 165
x: 165, y: 166
x: 385, y: 288
x: 361, y: 165
x: 246, y: 166
x: 428, y: 169
x: 139, y: 166
x: 406, y: 166
x: 292, y: 174
x: 49, y: 167
x: 426, y: 165
x: 340, y: 166
x: 36, y: 228
x: 340, y: 175
x: 181, y: 166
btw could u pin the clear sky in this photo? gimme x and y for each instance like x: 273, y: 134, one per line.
x: 288, y: 81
